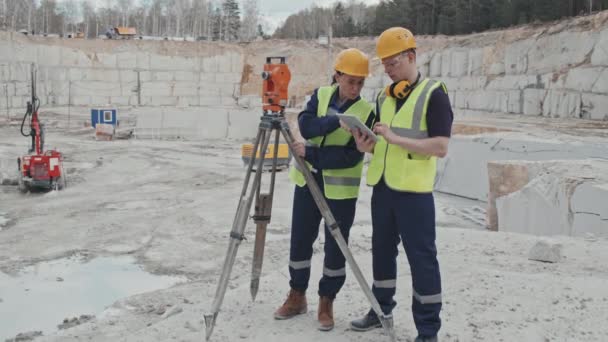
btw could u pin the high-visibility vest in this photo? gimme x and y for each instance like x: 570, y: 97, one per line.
x: 338, y: 183
x: 404, y: 170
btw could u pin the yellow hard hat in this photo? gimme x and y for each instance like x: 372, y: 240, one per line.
x: 352, y: 62
x: 394, y: 40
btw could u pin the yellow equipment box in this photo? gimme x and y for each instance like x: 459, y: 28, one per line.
x: 283, y: 156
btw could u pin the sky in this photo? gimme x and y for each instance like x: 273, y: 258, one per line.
x: 276, y: 11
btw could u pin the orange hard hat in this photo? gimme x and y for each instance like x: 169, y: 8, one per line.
x: 393, y: 41
x: 352, y: 62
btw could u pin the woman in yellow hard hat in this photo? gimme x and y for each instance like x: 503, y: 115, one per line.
x: 336, y: 164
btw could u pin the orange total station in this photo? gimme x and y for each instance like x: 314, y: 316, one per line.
x: 276, y: 78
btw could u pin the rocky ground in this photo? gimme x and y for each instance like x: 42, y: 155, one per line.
x: 170, y: 204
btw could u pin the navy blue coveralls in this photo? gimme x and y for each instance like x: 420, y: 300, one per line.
x: 306, y: 216
x: 410, y: 217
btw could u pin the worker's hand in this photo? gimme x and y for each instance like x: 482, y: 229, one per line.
x: 385, y: 131
x: 299, y: 148
x: 364, y: 142
x: 345, y: 127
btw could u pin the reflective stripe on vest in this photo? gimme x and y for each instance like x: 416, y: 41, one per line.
x: 338, y: 183
x: 404, y: 170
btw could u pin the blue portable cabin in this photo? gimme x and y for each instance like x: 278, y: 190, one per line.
x: 103, y: 116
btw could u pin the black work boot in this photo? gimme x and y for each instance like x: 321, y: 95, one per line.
x: 368, y: 322
x: 421, y: 338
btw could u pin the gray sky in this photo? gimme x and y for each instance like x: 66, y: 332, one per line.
x: 276, y: 11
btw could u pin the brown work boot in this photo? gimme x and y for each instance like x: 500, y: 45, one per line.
x: 326, y: 313
x: 294, y: 305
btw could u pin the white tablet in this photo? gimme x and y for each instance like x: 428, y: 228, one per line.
x: 353, y: 122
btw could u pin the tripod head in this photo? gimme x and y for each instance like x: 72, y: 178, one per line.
x: 276, y: 78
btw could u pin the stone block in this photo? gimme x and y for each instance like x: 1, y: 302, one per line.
x: 589, y: 209
x: 207, y: 77
x: 533, y: 101
x: 209, y: 101
x: 549, y: 53
x: 475, y: 67
x: 80, y: 100
x: 514, y: 82
x: 75, y: 58
x: 243, y: 124
x: 594, y: 106
x: 49, y: 55
x: 19, y: 72
x: 459, y: 63
x: 105, y: 75
x: 546, y: 251
x: 446, y: 62
x: 185, y: 76
x: 228, y: 101
x: 126, y: 60
x: 156, y: 89
x: 104, y: 132
x: 515, y: 102
x: 210, y: 64
x: 227, y: 78
x: 24, y: 53
x: 101, y: 100
x: 128, y: 76
x: 143, y: 60
x: 562, y: 104
x: 163, y: 76
x: 504, y: 178
x: 164, y: 101
x: 435, y: 65
x: 516, y: 57
x: 224, y: 63
x: 600, y: 51
x: 237, y: 63
x: 105, y: 60
x: 582, y: 79
x: 185, y: 89
x: 601, y: 85
x: 120, y: 100
x: 95, y: 88
x: 129, y: 88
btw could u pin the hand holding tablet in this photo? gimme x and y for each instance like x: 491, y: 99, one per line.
x: 353, y: 123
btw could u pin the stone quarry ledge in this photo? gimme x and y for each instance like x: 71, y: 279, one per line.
x: 565, y: 197
x: 539, y: 176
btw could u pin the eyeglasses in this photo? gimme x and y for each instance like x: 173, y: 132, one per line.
x: 393, y: 62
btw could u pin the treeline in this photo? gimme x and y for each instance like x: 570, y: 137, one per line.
x: 429, y: 16
x: 211, y: 19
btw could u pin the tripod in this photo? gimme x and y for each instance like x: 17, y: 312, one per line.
x: 275, y: 122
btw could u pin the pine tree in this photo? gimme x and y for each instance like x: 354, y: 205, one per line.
x: 232, y: 20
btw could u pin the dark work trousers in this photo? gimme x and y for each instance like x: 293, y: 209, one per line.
x: 409, y: 217
x: 305, y: 223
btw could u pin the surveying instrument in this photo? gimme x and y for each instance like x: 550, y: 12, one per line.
x: 276, y: 77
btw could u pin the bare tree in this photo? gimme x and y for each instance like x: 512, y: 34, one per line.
x: 88, y: 16
x: 124, y: 8
x: 251, y: 16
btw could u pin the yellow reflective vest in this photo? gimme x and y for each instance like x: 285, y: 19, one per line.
x: 338, y: 183
x: 404, y: 170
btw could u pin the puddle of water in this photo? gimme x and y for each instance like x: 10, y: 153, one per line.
x: 41, y: 296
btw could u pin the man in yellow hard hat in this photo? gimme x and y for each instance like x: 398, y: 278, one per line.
x: 414, y: 120
x: 336, y: 164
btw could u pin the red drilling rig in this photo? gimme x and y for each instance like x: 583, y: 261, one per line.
x: 39, y: 169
